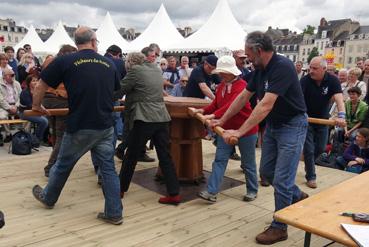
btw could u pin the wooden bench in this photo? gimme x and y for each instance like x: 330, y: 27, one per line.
x: 320, y: 213
x: 13, y: 121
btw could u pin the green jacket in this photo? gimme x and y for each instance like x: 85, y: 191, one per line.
x: 352, y: 118
x: 143, y: 87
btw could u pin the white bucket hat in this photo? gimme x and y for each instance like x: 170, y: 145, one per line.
x: 227, y: 64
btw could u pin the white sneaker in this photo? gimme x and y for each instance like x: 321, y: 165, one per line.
x: 207, y: 196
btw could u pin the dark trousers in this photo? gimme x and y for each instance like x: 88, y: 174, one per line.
x: 138, y: 136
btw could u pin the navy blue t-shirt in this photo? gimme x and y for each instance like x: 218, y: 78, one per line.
x: 198, y: 75
x: 279, y: 77
x: 90, y: 80
x: 317, y: 97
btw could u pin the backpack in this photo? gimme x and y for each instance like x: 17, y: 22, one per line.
x: 22, y: 143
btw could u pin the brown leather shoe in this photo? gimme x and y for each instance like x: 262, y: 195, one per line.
x: 311, y: 184
x: 271, y: 235
x: 302, y: 197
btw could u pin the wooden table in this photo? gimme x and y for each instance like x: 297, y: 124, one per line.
x: 185, y: 137
x: 319, y: 214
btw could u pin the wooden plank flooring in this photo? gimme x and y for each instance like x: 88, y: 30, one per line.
x: 229, y: 222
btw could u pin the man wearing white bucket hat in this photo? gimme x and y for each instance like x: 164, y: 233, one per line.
x: 229, y: 88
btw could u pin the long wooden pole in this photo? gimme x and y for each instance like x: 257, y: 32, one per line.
x: 321, y: 121
x: 60, y: 111
x: 219, y: 130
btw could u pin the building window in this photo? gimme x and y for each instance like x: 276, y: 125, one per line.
x: 294, y: 58
x: 341, y: 51
x: 321, y: 45
x: 350, y: 60
x: 295, y: 47
x: 303, y: 59
x: 16, y: 40
x: 5, y: 28
x: 308, y: 51
x: 287, y: 47
x: 12, y: 29
x: 303, y: 51
x: 324, y: 34
x: 340, y: 60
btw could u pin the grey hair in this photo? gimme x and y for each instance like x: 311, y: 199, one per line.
x: 134, y: 58
x: 343, y: 70
x: 258, y: 39
x: 323, y: 63
x: 83, y: 35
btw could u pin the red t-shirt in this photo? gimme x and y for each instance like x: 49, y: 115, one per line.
x: 224, y: 96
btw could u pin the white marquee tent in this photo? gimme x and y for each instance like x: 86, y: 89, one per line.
x: 57, y: 39
x: 221, y: 31
x: 33, y: 39
x: 108, y: 35
x: 161, y: 30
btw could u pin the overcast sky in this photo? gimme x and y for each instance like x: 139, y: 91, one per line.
x: 252, y: 15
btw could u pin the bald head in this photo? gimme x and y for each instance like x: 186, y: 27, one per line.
x: 85, y: 38
x: 318, y: 66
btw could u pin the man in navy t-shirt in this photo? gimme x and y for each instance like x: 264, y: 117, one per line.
x: 276, y: 84
x: 319, y: 87
x: 201, y: 80
x: 90, y: 80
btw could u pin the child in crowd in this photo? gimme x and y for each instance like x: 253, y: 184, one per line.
x: 356, y: 156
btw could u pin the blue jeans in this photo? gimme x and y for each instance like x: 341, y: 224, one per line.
x: 41, y: 125
x: 281, y: 150
x: 247, y: 148
x: 73, y: 147
x: 342, y: 163
x: 315, y: 143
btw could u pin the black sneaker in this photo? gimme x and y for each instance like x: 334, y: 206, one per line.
x: 145, y: 158
x: 37, y: 193
x: 1, y: 141
x: 111, y: 220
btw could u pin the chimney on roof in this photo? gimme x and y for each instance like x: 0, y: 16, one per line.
x: 323, y: 22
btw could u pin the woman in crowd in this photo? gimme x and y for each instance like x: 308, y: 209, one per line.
x: 20, y: 52
x: 355, y: 112
x: 163, y: 64
x: 356, y: 157
x: 26, y: 67
x: 26, y: 104
x: 231, y: 86
x: 352, y: 81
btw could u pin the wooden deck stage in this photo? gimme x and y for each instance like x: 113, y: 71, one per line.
x: 229, y: 222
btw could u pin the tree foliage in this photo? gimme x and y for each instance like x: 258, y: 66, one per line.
x: 314, y: 53
x: 309, y: 30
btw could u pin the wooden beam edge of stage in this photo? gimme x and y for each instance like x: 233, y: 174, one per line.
x: 60, y: 111
x: 217, y: 129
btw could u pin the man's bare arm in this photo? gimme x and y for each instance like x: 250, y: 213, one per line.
x: 206, y: 90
